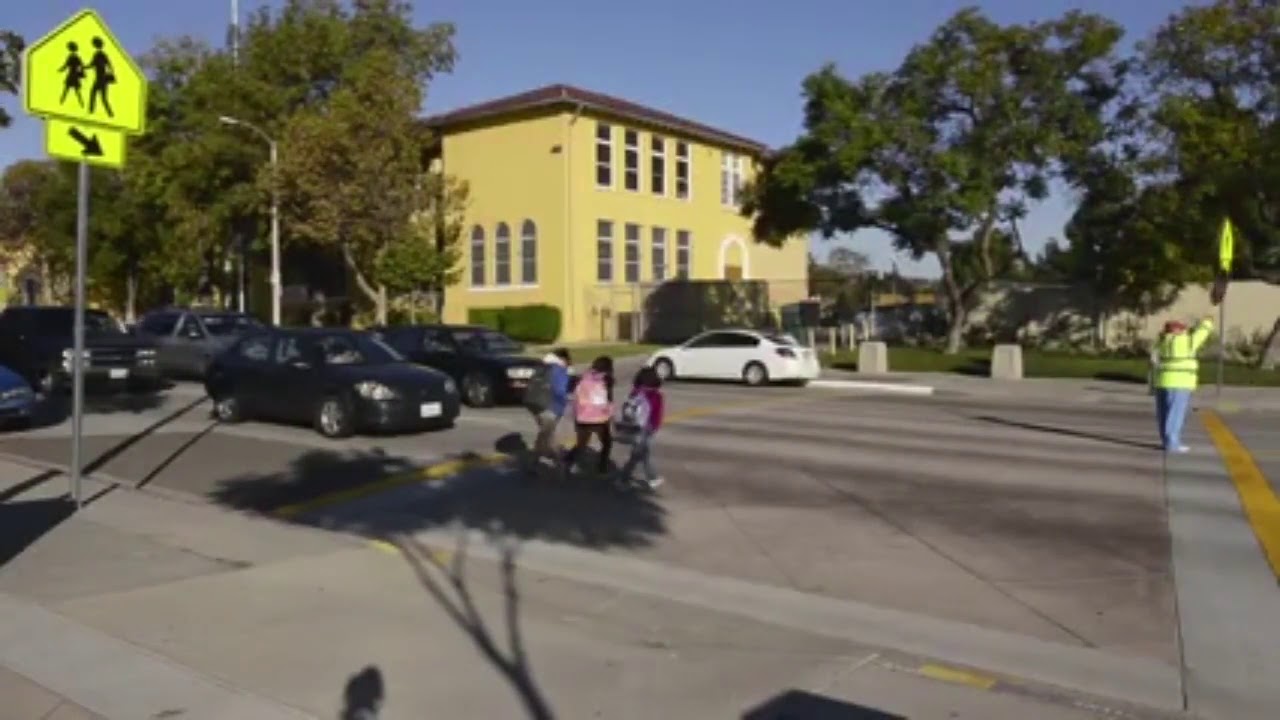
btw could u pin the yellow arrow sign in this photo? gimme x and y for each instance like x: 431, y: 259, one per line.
x: 1226, y: 246
x: 81, y: 73
x: 84, y: 143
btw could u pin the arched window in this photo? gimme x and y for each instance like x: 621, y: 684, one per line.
x: 477, y: 256
x: 502, y: 255
x: 529, y: 253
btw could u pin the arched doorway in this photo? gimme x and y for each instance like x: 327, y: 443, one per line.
x: 734, y: 262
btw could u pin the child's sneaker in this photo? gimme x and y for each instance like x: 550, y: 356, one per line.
x: 654, y: 483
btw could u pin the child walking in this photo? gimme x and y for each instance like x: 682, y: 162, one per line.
x: 637, y: 421
x: 592, y: 410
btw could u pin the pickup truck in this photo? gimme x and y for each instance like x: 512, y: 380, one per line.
x: 37, y: 343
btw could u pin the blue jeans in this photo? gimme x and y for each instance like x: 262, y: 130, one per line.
x: 1171, y: 413
x: 640, y: 454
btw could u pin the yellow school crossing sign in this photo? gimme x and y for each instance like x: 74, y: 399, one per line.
x: 91, y: 93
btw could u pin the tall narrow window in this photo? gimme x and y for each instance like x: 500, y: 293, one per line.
x: 631, y: 160
x: 730, y: 179
x: 604, y: 155
x: 658, y: 161
x: 658, y: 253
x: 604, y: 251
x: 529, y: 253
x: 684, y: 253
x: 477, y: 256
x: 502, y: 255
x: 631, y: 258
x: 682, y: 170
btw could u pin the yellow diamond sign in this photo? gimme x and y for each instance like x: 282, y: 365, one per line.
x: 81, y: 73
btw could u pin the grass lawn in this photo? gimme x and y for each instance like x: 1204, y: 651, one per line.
x: 1038, y: 364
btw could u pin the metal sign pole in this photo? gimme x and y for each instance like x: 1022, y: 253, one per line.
x: 77, y: 357
x: 1222, y: 341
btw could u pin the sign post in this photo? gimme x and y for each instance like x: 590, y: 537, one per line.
x: 91, y: 94
x: 1226, y: 254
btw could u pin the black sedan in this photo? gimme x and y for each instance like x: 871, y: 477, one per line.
x: 339, y: 381
x: 486, y: 364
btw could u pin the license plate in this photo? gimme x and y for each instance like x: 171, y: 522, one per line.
x: 430, y: 410
x: 118, y: 373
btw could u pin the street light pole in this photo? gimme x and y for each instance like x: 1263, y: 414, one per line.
x: 275, y: 213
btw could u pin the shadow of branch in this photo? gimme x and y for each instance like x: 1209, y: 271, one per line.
x: 445, y: 579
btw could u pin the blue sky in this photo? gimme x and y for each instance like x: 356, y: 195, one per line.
x: 736, y: 65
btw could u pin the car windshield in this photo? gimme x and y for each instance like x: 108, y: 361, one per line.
x: 781, y: 339
x: 61, y: 321
x: 230, y: 324
x: 358, y: 350
x: 488, y: 341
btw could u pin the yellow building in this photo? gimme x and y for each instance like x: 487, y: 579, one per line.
x: 590, y: 203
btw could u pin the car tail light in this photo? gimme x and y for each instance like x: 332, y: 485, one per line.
x: 785, y: 352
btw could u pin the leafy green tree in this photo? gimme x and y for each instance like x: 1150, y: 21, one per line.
x: 947, y: 149
x: 426, y: 258
x: 11, y: 46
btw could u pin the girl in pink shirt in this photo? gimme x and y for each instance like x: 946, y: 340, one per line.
x: 636, y: 424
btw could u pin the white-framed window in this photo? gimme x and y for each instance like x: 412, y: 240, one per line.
x: 658, y: 165
x: 477, y: 256
x: 604, y: 155
x: 631, y: 160
x: 604, y: 251
x: 631, y: 253
x: 682, y: 170
x: 684, y: 253
x: 502, y: 255
x: 658, y: 253
x: 731, y: 165
x: 528, y: 253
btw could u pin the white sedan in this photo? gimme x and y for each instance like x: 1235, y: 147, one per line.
x: 755, y: 358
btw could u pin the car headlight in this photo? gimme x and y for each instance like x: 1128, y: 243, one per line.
x: 371, y: 390
x: 19, y: 393
x: 147, y: 353
x: 520, y: 373
x: 71, y: 352
x: 450, y: 387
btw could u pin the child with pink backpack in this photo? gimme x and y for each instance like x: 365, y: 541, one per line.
x: 593, y: 412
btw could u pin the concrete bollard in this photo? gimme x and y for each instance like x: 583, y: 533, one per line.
x: 1006, y: 362
x: 873, y: 358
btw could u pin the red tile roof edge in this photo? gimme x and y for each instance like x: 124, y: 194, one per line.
x: 561, y: 94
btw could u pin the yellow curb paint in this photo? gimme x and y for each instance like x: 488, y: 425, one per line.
x: 1261, y: 506
x: 384, y: 546
x: 957, y: 677
x: 439, y: 471
x: 442, y: 557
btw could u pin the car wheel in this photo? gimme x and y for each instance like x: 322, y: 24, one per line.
x: 666, y: 371
x: 333, y: 418
x: 755, y: 374
x: 477, y: 390
x: 228, y: 409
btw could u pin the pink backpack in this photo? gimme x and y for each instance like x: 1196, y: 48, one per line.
x: 591, y: 400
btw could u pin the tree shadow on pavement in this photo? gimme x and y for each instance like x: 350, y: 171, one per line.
x: 23, y: 522
x: 801, y: 705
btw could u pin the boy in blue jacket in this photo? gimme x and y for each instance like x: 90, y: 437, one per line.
x: 546, y: 398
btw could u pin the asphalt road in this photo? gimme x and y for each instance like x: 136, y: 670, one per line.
x: 1046, y: 522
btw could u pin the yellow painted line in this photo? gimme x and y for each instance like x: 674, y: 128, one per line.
x: 956, y: 676
x: 1260, y: 504
x: 384, y: 546
x: 439, y: 471
x: 442, y: 557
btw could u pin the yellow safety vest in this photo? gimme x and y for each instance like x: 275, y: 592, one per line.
x: 1179, y: 368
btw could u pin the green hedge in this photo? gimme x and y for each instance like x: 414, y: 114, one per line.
x: 526, y: 323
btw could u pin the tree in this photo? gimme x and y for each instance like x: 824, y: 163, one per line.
x: 11, y: 46
x: 348, y: 171
x: 948, y: 148
x: 426, y: 258
x: 848, y: 262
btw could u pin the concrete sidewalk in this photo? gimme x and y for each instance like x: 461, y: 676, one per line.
x: 142, y: 606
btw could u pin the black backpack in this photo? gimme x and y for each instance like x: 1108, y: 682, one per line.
x: 537, y: 396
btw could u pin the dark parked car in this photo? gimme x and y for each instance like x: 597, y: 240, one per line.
x: 37, y: 342
x: 188, y: 340
x: 486, y: 364
x: 17, y: 399
x: 339, y: 381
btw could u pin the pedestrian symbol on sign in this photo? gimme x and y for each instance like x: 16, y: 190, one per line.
x: 103, y: 76
x: 73, y: 69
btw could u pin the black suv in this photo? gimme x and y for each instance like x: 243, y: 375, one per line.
x: 488, y: 366
x: 37, y: 343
